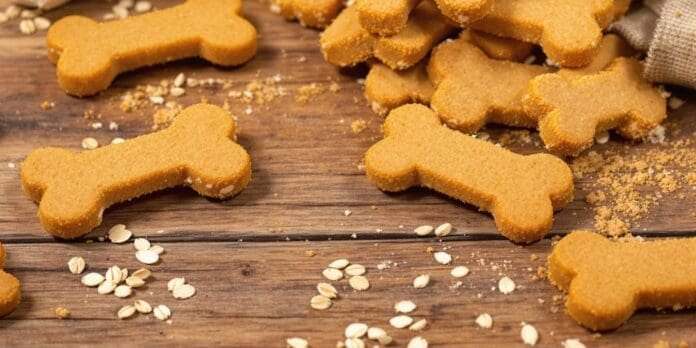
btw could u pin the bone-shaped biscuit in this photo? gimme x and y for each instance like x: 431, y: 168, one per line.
x: 521, y: 192
x: 89, y: 55
x: 473, y: 89
x: 346, y: 43
x: 310, y: 13
x: 607, y: 281
x: 197, y: 150
x: 384, y: 17
x: 569, y: 31
x: 465, y: 12
x: 10, y: 293
x: 500, y: 47
x: 572, y: 109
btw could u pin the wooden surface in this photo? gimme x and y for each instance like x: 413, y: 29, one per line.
x: 246, y: 256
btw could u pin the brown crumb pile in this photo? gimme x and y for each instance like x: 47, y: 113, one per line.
x: 518, y: 137
x: 62, y: 313
x: 358, y: 126
x: 626, y: 186
x: 307, y: 92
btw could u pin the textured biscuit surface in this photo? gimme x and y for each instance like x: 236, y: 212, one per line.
x: 197, y: 150
x: 501, y: 47
x: 572, y: 109
x: 569, y: 31
x: 384, y: 17
x: 521, y: 192
x: 473, y: 89
x: 346, y: 43
x: 89, y: 55
x: 465, y: 12
x: 310, y: 13
x: 607, y: 281
x: 9, y: 288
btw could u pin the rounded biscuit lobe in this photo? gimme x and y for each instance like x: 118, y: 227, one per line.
x: 89, y: 55
x: 310, y: 13
x: 465, y: 12
x: 384, y: 17
x: 345, y: 43
x: 10, y: 293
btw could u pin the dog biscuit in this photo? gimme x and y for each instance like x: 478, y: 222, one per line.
x: 569, y: 31
x: 572, y: 109
x: 500, y: 47
x: 611, y: 47
x: 310, y: 13
x: 89, y: 55
x: 472, y: 89
x: 465, y: 12
x: 10, y: 293
x: 197, y: 150
x: 384, y: 17
x: 346, y: 43
x: 521, y: 192
x: 607, y: 281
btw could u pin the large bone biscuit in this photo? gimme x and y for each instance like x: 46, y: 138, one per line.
x: 197, y: 150
x: 10, y: 293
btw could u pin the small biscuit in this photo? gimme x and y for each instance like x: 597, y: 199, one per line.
x: 384, y: 17
x: 10, y: 293
x: 310, y: 13
x: 473, y: 89
x: 346, y: 43
x: 607, y: 281
x: 465, y: 12
x: 572, y: 109
x: 501, y: 47
x: 89, y: 55
x: 521, y: 192
x: 569, y: 31
x: 197, y: 150
x: 611, y: 47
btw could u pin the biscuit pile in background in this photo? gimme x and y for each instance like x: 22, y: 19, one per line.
x: 507, y: 62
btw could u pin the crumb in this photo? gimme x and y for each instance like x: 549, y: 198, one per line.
x: 429, y: 250
x: 62, y: 313
x: 358, y: 126
x: 47, y: 105
x: 307, y: 92
x: 310, y: 253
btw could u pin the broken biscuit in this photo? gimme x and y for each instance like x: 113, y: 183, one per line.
x: 10, y: 293
x: 521, y: 192
x: 89, y: 55
x: 310, y: 13
x: 572, y: 109
x: 197, y: 150
x: 607, y: 281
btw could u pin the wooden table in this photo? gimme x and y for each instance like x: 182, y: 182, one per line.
x: 247, y: 256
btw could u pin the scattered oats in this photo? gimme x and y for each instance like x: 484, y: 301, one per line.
x: 142, y: 306
x: 657, y: 135
x: 179, y: 80
x: 107, y: 287
x: 113, y: 126
x: 326, y: 289
x: 27, y: 26
x: 141, y: 244
x: 459, y: 271
x: 332, y: 274
x: 126, y: 312
x: 417, y: 342
x: 485, y: 321
x: 42, y: 23
x: 13, y: 11
x: 359, y: 283
x: 62, y: 313
x: 602, y: 137
x: 113, y: 274
x: 296, y: 342
x: 157, y: 249
x: 320, y: 302
x: 339, y: 264
x: 356, y: 330
x: 123, y: 291
x: 174, y: 283
x: 135, y: 282
x: 347, y: 212
x: 442, y: 258
x: 147, y: 257
x: 675, y: 103
x: 118, y: 140
x: 192, y: 82
x: 374, y: 333
x: 11, y: 165
x: 177, y: 91
x: 184, y: 292
x: 506, y: 285
x: 90, y: 143
x: 572, y: 343
x: 162, y: 312
x: 157, y: 100
x: 404, y: 307
x: 421, y: 281
x: 400, y: 321
x: 354, y: 343
x: 142, y: 6
x: 443, y: 229
x: 355, y: 270
x: 424, y: 230
x: 119, y: 234
x: 142, y: 274
x: 92, y: 279
x: 419, y: 325
x: 76, y: 265
x: 529, y: 335
x: 120, y: 11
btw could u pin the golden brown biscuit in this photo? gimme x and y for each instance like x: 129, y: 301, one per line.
x: 89, y: 55
x: 572, y: 109
x: 607, y: 281
x: 10, y: 293
x: 521, y: 192
x: 386, y: 89
x: 569, y: 31
x: 472, y: 89
x: 310, y: 13
x: 500, y: 47
x: 384, y: 17
x: 465, y: 12
x: 197, y: 150
x: 346, y: 43
x: 611, y: 47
